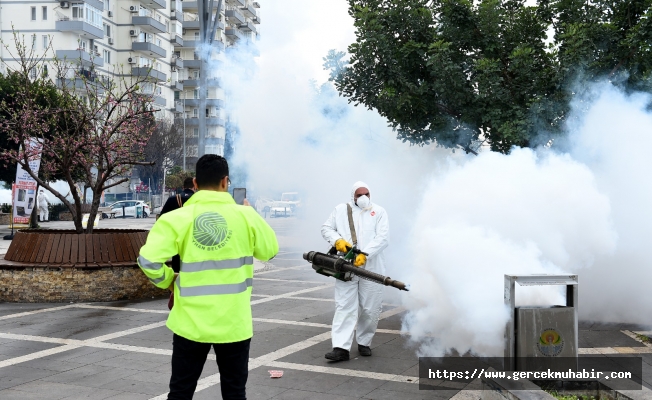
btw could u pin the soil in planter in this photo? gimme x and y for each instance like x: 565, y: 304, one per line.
x: 582, y: 390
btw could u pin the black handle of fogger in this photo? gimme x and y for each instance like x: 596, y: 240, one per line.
x: 331, y: 265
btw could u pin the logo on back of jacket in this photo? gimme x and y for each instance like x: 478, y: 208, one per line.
x: 210, y: 231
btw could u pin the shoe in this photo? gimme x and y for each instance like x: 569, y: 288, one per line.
x: 364, y: 350
x: 338, y: 354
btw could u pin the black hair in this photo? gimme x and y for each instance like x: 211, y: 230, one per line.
x: 188, y: 183
x: 210, y: 170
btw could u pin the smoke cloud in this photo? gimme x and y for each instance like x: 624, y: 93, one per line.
x: 458, y: 223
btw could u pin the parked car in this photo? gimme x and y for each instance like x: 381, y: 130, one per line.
x: 129, y: 208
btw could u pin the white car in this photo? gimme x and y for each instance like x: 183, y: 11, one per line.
x: 129, y: 208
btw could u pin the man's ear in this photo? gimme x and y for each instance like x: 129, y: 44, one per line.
x: 194, y: 182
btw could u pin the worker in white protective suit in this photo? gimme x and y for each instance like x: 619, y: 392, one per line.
x: 43, y: 203
x: 357, y: 302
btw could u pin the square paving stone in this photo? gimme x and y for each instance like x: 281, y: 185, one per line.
x: 53, y: 390
x: 295, y: 394
x: 356, y: 387
x: 138, y: 387
x: 10, y: 394
x: 606, y: 338
x: 291, y: 379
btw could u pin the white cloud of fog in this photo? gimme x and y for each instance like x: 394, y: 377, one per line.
x: 458, y: 223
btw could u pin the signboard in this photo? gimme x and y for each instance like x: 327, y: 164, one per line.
x: 25, y: 187
x: 85, y: 220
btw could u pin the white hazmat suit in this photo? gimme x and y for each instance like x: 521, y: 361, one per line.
x: 358, y: 301
x: 43, y: 202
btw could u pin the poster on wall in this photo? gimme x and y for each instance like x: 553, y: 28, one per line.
x: 25, y: 186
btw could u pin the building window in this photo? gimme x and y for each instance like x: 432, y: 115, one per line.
x: 93, y: 16
x: 177, y: 95
x: 107, y: 30
x: 33, y: 13
x: 45, y: 13
x: 195, y: 113
x: 32, y: 73
x: 45, y: 41
x: 195, y: 94
x: 195, y: 132
x: 107, y: 4
x: 33, y: 42
x: 107, y: 56
x: 192, y: 151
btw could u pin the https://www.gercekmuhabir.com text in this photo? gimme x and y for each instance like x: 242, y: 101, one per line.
x: 517, y: 375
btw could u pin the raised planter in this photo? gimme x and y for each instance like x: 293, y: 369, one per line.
x: 43, y: 265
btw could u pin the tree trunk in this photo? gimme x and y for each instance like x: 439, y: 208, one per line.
x: 93, y: 212
x: 33, y: 218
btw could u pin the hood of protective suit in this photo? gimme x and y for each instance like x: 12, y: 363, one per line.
x: 356, y: 186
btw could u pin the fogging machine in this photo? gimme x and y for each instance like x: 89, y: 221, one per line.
x: 342, y: 268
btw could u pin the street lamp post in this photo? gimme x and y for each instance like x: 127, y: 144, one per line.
x: 184, y: 130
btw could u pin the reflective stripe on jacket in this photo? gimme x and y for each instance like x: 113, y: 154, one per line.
x: 217, y: 241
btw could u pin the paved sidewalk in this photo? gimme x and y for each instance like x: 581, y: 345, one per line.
x: 121, y: 350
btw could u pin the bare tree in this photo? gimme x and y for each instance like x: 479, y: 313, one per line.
x: 165, y: 149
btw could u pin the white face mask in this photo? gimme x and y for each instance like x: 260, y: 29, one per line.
x: 363, y: 202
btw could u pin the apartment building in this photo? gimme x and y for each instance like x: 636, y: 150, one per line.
x: 154, y: 38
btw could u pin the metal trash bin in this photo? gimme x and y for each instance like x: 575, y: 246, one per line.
x: 537, y: 336
x: 139, y: 211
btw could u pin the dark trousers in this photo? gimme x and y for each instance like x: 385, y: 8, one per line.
x: 188, y: 358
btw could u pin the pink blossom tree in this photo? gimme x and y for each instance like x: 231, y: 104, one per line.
x: 94, y: 135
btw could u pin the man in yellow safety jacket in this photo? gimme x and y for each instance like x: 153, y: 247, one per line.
x: 216, y: 240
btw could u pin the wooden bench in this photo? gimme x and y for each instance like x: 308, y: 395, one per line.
x: 66, y: 248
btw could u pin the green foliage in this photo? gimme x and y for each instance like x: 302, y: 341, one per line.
x: 455, y: 72
x: 174, y: 180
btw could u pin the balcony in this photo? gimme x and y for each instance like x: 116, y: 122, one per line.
x: 176, y: 15
x: 234, y: 34
x: 191, y: 24
x: 194, y: 64
x: 237, y: 3
x: 147, y: 71
x: 148, y: 24
x: 176, y: 5
x: 211, y: 82
x: 256, y: 19
x: 149, y: 48
x: 159, y: 100
x: 193, y: 44
x: 156, y: 4
x: 189, y: 5
x: 177, y: 62
x: 249, y: 11
x: 248, y: 27
x: 210, y: 121
x: 177, y: 41
x: 209, y: 103
x: 178, y: 106
x: 177, y: 86
x: 80, y: 27
x: 80, y: 56
x: 83, y: 80
x: 235, y: 17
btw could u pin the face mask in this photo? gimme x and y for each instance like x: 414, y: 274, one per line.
x: 363, y: 202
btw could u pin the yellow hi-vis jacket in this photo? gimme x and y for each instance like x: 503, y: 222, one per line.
x: 216, y: 240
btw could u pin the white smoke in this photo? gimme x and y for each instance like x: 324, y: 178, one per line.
x: 458, y: 223
x: 537, y: 211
